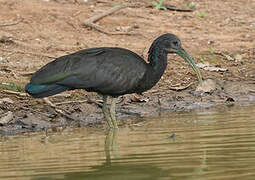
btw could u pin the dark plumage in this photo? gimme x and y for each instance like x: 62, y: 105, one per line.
x: 108, y: 71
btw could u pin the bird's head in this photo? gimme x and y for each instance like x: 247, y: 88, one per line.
x: 170, y: 43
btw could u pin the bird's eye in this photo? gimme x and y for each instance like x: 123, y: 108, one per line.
x: 175, y: 43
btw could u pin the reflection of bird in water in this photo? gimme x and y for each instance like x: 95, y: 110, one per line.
x: 111, y: 144
x: 114, y: 167
x: 107, y: 71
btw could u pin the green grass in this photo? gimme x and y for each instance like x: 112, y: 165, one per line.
x: 211, y: 57
x: 191, y: 5
x: 201, y: 14
x: 211, y: 50
x: 201, y: 59
x: 12, y: 87
x: 159, y: 5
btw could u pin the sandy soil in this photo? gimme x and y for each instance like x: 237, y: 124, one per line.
x: 34, y: 32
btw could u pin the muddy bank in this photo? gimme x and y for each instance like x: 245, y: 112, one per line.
x: 27, y: 114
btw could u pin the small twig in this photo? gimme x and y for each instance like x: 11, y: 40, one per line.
x: 58, y: 109
x: 15, y: 93
x: 65, y: 95
x: 91, y: 21
x: 76, y: 14
x: 70, y: 102
x: 11, y: 24
x: 101, y: 29
x: 172, y: 8
x: 180, y: 88
x: 26, y: 73
x: 90, y: 101
x: 95, y: 102
x: 61, y: 110
x: 47, y: 101
x: 102, y: 1
x: 220, y: 53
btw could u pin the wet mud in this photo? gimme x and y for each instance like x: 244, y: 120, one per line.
x: 30, y: 115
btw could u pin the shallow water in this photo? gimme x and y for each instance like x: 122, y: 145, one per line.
x: 211, y: 144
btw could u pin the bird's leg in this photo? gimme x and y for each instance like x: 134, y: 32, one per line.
x: 113, y: 112
x: 107, y: 113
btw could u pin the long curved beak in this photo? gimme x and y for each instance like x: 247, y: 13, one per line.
x: 181, y: 52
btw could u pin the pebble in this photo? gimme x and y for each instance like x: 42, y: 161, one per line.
x: 6, y: 118
x: 238, y: 58
x: 6, y: 100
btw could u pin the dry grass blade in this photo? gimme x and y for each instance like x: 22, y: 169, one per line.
x: 11, y: 24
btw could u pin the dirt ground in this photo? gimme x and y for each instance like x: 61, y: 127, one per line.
x: 34, y: 32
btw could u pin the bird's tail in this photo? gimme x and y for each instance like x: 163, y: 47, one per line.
x: 40, y: 91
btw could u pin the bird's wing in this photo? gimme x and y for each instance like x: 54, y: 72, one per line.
x: 112, y: 71
x: 63, y: 67
x: 119, y: 73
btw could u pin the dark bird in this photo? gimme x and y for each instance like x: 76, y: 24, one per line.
x: 109, y: 71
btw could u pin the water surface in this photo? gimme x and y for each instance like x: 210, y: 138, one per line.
x: 211, y: 144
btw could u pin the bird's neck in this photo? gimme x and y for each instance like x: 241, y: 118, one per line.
x: 158, y: 61
x: 157, y: 64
